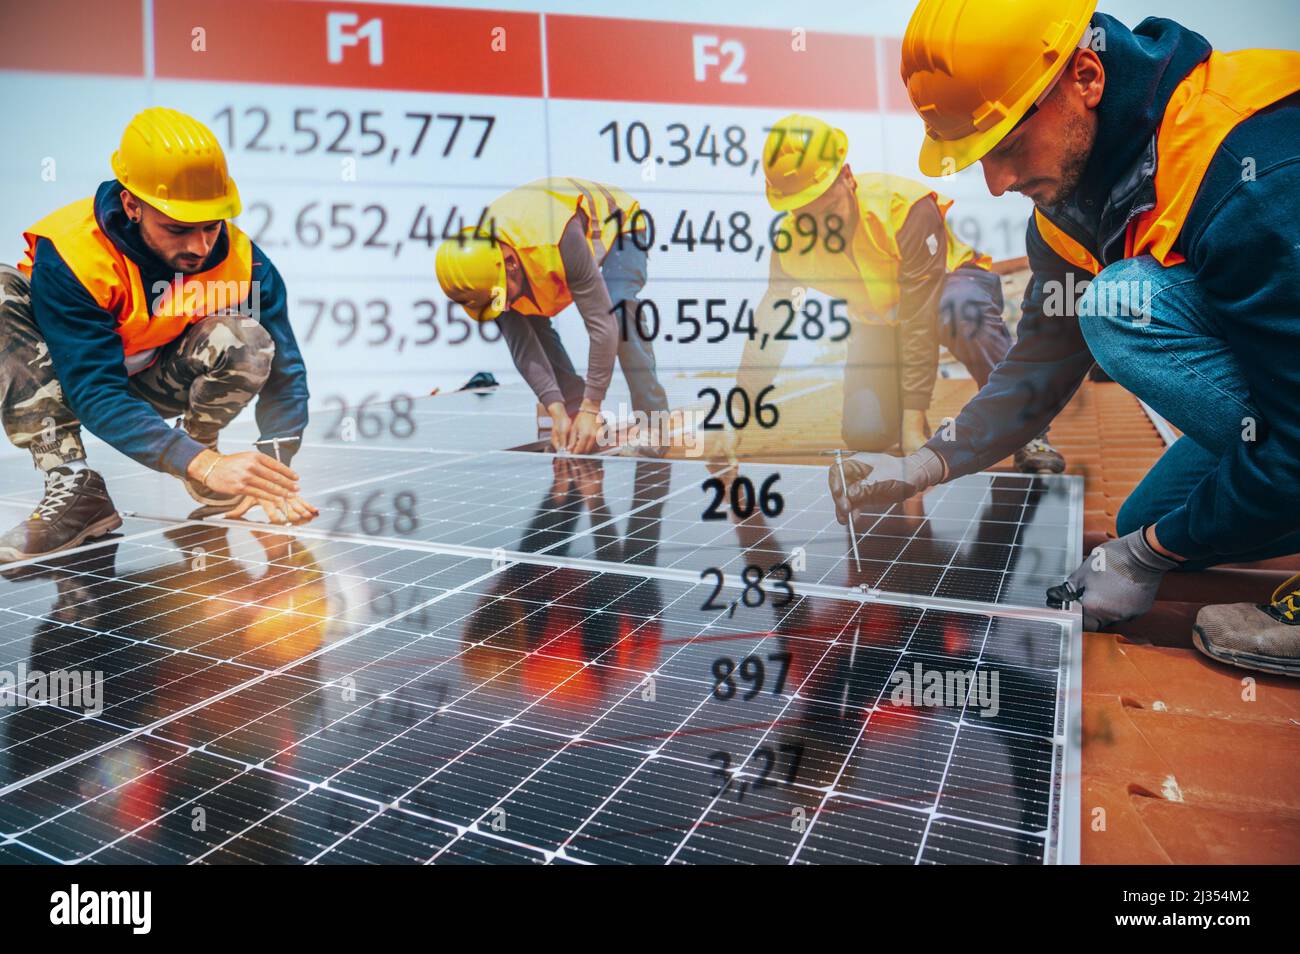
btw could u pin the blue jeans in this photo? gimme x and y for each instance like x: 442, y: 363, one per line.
x: 624, y: 272
x: 1152, y: 329
x: 970, y: 325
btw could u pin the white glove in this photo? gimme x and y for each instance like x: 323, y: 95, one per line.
x: 875, y: 481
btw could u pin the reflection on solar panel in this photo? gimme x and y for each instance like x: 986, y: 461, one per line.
x: 507, y: 657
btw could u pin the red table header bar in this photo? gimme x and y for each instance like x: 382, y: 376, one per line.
x: 896, y: 99
x: 646, y: 61
x: 72, y: 36
x: 362, y: 45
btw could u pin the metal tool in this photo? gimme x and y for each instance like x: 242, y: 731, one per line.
x: 1063, y: 596
x: 853, y: 534
x: 275, y: 443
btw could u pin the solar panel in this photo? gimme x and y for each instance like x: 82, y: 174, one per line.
x: 532, y: 660
x: 484, y: 419
x: 986, y: 538
x: 302, y: 732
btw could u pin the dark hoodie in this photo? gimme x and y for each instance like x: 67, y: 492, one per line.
x: 89, y: 358
x: 1241, y: 243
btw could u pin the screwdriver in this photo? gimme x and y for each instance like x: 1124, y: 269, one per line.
x: 853, y: 534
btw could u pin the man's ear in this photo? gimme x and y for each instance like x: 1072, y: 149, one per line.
x: 1088, y: 76
x: 132, y: 206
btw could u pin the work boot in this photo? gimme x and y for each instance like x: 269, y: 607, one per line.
x: 75, y: 508
x: 1039, y: 457
x: 1263, y: 636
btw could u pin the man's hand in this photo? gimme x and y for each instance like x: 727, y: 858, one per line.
x: 249, y: 474
x: 586, y: 429
x: 1119, y: 579
x: 916, y: 430
x: 560, y: 425
x: 878, y: 480
x: 293, y: 510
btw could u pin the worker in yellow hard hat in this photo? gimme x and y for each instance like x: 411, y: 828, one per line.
x: 880, y: 246
x: 549, y: 244
x: 141, y: 303
x: 1166, y: 183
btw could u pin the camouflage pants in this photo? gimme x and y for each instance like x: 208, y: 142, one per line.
x: 206, y: 376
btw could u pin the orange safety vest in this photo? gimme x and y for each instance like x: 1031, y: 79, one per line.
x: 1218, y: 94
x: 868, y: 281
x: 532, y: 218
x: 114, y: 281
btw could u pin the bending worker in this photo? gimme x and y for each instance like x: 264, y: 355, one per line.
x: 881, y: 244
x: 1169, y: 175
x: 143, y: 303
x: 557, y: 242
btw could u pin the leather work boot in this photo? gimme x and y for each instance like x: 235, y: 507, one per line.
x: 76, y: 508
x: 1263, y: 636
x: 1039, y: 457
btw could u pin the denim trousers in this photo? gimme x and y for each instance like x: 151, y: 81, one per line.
x: 624, y: 271
x: 969, y: 325
x: 1153, y: 330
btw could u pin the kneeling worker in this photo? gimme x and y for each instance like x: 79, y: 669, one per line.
x: 882, y: 244
x: 1165, y: 177
x: 143, y: 303
x: 556, y: 242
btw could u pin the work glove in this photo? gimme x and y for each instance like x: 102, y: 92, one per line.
x: 1117, y: 581
x: 875, y: 481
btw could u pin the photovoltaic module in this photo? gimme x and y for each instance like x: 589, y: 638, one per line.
x: 478, y: 655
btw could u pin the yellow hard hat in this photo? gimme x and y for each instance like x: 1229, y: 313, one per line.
x: 801, y: 158
x: 175, y: 164
x: 472, y: 273
x: 973, y: 70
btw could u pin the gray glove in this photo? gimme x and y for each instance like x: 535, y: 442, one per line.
x: 1118, y: 580
x: 875, y: 481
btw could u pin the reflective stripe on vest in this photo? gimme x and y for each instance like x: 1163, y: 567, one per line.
x: 532, y: 219
x: 1065, y: 246
x: 593, y: 220
x: 114, y: 281
x: 1204, y: 108
x: 868, y: 280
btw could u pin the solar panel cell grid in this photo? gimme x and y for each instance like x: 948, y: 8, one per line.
x: 478, y: 656
x: 982, y: 538
x: 580, y: 709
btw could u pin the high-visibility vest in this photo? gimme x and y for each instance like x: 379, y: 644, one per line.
x: 114, y: 281
x: 1218, y: 94
x: 867, y: 280
x: 532, y: 218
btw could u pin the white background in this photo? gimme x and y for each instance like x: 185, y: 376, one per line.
x: 77, y: 120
